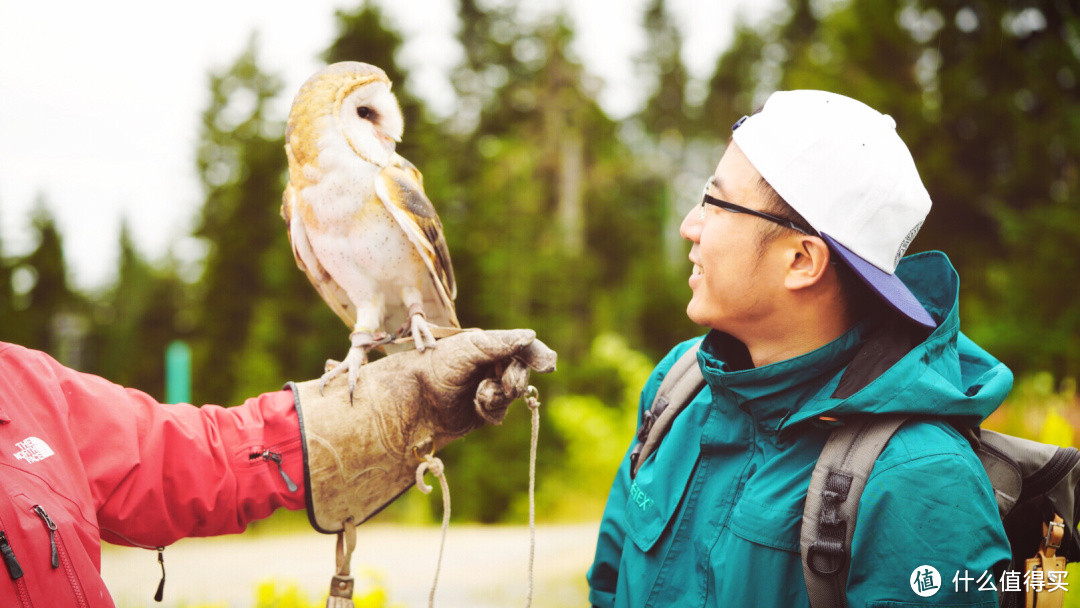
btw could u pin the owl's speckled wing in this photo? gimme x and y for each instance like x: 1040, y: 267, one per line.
x: 330, y: 291
x: 400, y: 187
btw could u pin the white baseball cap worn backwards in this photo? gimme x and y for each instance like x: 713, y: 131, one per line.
x: 842, y: 166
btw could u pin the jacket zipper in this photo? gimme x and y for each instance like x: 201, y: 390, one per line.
x: 15, y: 571
x: 275, y: 458
x: 160, y: 558
x: 60, y: 555
x: 12, y: 562
x: 52, y: 534
x: 80, y: 597
x: 160, y: 593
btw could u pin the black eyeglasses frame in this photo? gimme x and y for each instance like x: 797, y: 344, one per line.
x: 708, y: 199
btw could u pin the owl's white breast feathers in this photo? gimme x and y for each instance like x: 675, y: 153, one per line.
x: 366, y: 252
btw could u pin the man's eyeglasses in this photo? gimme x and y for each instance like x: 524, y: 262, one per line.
x: 707, y: 199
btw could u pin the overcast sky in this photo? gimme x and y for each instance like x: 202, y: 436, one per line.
x: 100, y: 101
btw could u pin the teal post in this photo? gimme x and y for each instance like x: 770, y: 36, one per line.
x: 178, y: 372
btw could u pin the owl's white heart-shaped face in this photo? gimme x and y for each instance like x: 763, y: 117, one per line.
x: 370, y: 120
x: 345, y: 110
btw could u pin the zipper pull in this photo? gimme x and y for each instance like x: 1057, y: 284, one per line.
x: 52, y: 533
x: 13, y: 567
x: 275, y: 458
x: 161, y: 586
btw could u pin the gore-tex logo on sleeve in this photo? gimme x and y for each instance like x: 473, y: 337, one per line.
x: 32, y: 449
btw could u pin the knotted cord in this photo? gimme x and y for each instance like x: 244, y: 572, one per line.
x: 435, y: 465
x: 532, y: 399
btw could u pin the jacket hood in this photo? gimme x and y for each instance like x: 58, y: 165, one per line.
x: 888, y: 367
x: 945, y: 375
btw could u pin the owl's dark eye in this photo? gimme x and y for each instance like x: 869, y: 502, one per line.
x: 366, y: 113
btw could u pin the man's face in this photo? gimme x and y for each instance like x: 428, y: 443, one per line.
x: 733, y: 281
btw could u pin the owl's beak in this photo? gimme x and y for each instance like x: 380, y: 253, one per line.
x: 387, y: 142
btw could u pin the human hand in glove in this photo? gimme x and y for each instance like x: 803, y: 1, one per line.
x: 360, y: 456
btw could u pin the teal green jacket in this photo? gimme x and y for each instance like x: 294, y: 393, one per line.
x: 713, y: 516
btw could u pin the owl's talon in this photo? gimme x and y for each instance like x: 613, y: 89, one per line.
x: 356, y: 358
x: 328, y: 373
x: 354, y: 377
x: 421, y: 333
x: 330, y: 364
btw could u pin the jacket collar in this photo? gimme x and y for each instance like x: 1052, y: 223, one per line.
x: 771, y: 393
x: 942, y: 374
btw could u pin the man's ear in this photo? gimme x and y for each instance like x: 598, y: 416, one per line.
x: 808, y: 259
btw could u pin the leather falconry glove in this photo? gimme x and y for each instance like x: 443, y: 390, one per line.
x: 359, y: 457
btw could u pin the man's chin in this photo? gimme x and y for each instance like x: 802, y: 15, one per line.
x: 695, y: 315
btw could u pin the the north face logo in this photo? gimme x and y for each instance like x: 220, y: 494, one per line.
x: 32, y: 449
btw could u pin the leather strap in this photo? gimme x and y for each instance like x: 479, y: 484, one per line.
x: 1053, y: 534
x: 678, y: 388
x: 1042, y: 587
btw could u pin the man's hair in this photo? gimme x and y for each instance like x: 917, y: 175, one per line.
x: 861, y: 301
x: 776, y: 205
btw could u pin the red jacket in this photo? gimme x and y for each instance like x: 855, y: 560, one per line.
x: 98, y: 461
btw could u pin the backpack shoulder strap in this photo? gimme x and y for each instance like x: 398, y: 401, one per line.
x: 832, y: 503
x: 678, y: 388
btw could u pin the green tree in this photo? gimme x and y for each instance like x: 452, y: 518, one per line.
x: 672, y: 160
x: 8, y: 329
x: 983, y: 94
x: 50, y: 316
x: 1005, y: 95
x: 732, y: 87
x: 554, y: 223
x: 665, y: 111
x: 241, y: 164
x: 136, y: 320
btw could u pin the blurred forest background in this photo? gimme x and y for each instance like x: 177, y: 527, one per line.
x: 562, y: 219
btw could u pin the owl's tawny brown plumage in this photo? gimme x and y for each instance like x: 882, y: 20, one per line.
x: 360, y: 225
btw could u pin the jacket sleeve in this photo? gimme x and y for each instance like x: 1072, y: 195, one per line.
x: 603, y: 576
x: 935, y: 510
x: 159, y: 472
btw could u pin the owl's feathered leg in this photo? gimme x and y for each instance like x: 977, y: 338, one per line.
x: 362, y: 342
x: 417, y: 324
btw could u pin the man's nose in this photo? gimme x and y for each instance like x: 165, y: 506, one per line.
x: 690, y: 229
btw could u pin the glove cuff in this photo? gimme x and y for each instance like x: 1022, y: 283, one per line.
x: 351, y: 468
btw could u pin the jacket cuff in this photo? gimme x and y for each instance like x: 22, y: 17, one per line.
x: 308, y: 505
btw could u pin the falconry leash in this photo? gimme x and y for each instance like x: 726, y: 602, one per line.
x: 342, y: 584
x: 435, y: 465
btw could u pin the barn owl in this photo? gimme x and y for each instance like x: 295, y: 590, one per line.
x: 360, y: 225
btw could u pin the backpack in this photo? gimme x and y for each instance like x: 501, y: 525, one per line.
x: 1035, y: 486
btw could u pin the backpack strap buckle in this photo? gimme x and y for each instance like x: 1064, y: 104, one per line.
x: 1054, y: 533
